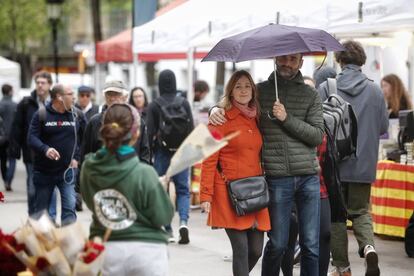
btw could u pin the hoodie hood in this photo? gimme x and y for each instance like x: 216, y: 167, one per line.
x: 106, y: 168
x: 351, y: 81
x: 167, y: 83
x: 323, y: 74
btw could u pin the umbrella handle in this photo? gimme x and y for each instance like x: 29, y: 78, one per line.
x: 274, y: 71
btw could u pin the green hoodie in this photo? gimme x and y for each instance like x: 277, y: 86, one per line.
x: 125, y: 195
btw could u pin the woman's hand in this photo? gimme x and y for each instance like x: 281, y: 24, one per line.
x: 205, y: 207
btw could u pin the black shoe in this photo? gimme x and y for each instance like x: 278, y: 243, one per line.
x: 8, y: 187
x: 371, y: 261
x: 78, y: 205
x: 183, y: 239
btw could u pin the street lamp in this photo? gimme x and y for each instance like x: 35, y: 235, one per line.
x: 53, y: 13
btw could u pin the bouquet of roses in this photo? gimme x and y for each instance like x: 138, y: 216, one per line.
x: 45, y: 249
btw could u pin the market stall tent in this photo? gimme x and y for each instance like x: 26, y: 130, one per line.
x: 10, y: 73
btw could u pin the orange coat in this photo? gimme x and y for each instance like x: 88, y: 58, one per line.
x: 240, y: 158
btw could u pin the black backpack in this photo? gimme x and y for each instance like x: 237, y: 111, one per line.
x: 341, y: 122
x: 175, y: 123
x: 409, y: 237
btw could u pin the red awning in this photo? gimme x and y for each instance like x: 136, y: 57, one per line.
x: 119, y: 47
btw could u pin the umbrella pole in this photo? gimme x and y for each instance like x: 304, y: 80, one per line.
x: 274, y: 71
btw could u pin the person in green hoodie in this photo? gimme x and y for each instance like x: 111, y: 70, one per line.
x: 125, y: 195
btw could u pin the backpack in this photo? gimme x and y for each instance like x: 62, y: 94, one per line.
x: 175, y: 123
x: 340, y: 122
x: 409, y: 237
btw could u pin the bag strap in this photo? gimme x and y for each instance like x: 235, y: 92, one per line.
x: 220, y: 170
x: 332, y: 89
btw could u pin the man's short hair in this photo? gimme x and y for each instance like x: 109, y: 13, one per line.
x: 58, y: 89
x: 6, y: 89
x: 354, y: 54
x: 201, y: 86
x: 44, y: 75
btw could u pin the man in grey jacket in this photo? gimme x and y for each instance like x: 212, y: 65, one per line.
x: 357, y: 173
x: 291, y: 127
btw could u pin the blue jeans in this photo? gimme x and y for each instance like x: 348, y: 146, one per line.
x: 30, y: 188
x: 45, y: 185
x: 162, y: 160
x: 284, y: 191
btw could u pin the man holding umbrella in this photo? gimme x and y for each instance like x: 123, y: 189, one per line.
x: 292, y: 127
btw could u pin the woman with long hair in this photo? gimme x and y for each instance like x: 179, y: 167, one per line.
x: 125, y: 195
x: 138, y: 99
x: 395, y: 94
x: 239, y: 159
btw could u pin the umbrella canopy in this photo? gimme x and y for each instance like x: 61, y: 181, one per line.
x: 271, y: 41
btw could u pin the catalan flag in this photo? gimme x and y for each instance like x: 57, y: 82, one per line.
x: 392, y: 198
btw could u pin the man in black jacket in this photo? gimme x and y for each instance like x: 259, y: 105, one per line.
x: 7, y: 112
x: 114, y: 92
x: 162, y: 154
x: 55, y: 139
x: 84, y: 102
x: 25, y: 110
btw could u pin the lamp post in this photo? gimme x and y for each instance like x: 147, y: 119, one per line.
x: 53, y: 13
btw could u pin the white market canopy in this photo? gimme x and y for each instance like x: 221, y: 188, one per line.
x: 204, y: 22
x: 10, y: 73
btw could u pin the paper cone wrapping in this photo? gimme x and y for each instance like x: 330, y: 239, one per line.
x: 71, y: 240
x: 59, y: 264
x: 91, y: 269
x: 199, y: 145
x: 43, y: 228
x: 27, y: 236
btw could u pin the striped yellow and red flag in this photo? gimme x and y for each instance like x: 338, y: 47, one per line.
x: 392, y: 198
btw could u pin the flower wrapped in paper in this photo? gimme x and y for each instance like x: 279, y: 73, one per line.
x: 199, y: 145
x: 89, y: 262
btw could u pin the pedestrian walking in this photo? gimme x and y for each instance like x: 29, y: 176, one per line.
x: 169, y: 121
x: 138, y: 99
x: 292, y: 128
x: 358, y: 172
x: 18, y: 137
x: 126, y: 196
x: 7, y: 113
x: 84, y: 102
x: 54, y: 137
x: 239, y: 159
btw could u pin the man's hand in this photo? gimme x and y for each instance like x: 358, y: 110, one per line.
x: 205, y: 207
x: 279, y: 111
x: 53, y: 154
x: 217, y: 116
x: 74, y: 164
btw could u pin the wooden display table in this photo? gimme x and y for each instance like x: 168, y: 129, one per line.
x: 392, y: 198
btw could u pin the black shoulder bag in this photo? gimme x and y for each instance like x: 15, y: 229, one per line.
x: 247, y: 195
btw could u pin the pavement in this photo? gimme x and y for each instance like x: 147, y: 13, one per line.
x: 205, y: 254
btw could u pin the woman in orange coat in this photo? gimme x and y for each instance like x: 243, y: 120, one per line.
x: 239, y: 159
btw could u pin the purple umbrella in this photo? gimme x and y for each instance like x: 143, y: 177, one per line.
x: 271, y: 41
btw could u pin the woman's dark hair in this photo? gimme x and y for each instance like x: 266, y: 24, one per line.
x: 117, y: 123
x: 131, y: 96
x: 354, y: 53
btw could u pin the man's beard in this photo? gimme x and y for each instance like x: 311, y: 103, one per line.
x: 287, y: 72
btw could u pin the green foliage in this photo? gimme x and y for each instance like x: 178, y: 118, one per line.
x: 24, y: 24
x: 22, y: 21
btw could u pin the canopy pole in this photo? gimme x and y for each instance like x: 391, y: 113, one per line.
x: 274, y: 71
